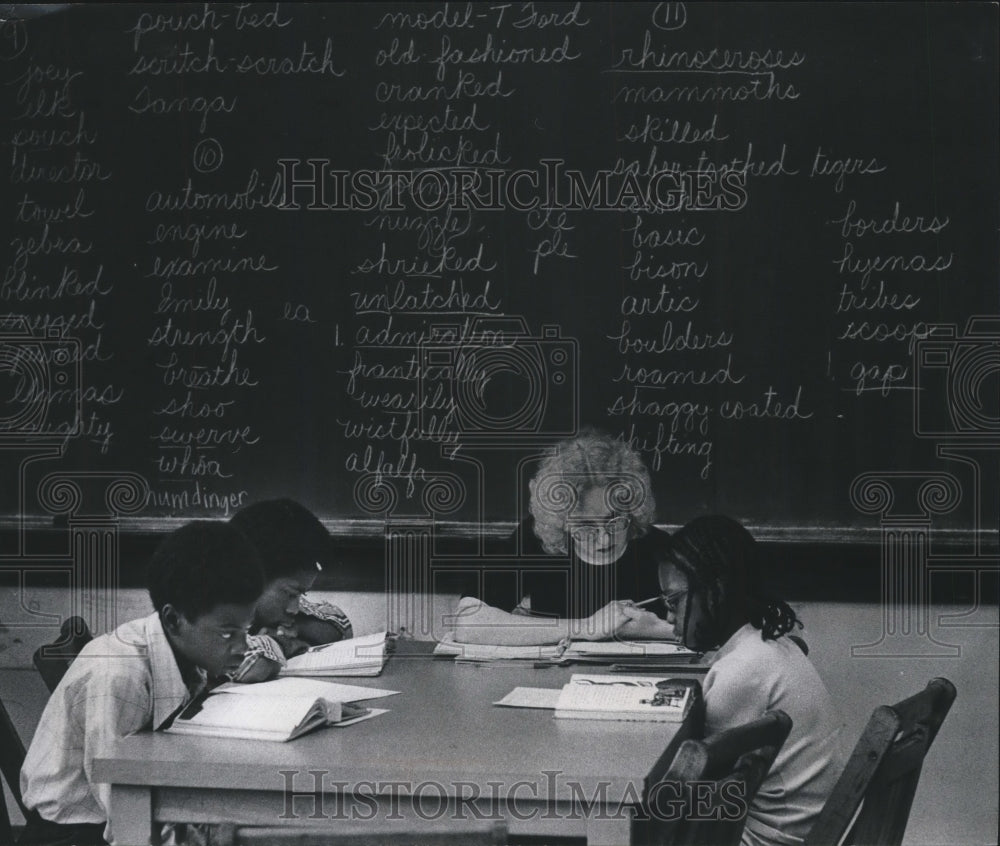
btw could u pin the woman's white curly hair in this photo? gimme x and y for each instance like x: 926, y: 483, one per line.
x: 590, y: 460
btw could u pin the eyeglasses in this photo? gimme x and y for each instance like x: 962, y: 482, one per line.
x: 672, y: 599
x: 583, y: 532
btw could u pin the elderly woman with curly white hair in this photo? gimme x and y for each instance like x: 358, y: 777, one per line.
x: 581, y: 563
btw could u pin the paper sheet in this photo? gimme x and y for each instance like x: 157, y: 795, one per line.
x: 531, y: 697
x: 291, y: 686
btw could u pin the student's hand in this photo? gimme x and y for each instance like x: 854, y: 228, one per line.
x: 261, y: 670
x: 606, y: 622
x: 646, y: 625
x: 288, y: 639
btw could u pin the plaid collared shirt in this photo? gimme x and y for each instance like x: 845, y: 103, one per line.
x: 263, y: 647
x: 119, y: 683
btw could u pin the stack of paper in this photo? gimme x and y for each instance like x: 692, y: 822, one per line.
x: 359, y: 656
x: 619, y: 697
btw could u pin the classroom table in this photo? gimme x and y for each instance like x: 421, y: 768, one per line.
x: 443, y: 749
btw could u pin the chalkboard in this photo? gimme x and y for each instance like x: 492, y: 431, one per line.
x: 380, y: 257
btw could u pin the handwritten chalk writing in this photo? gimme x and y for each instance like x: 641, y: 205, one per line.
x: 255, y: 195
x: 144, y: 102
x: 668, y: 342
x: 48, y: 104
x: 433, y: 232
x: 35, y: 74
x: 764, y: 88
x: 16, y: 286
x: 489, y: 53
x: 186, y: 464
x: 454, y: 333
x: 531, y: 18
x: 692, y: 236
x: 441, y: 19
x: 190, y: 408
x: 181, y: 305
x: 666, y: 58
x: 206, y: 20
x: 438, y: 400
x: 195, y: 233
x: 404, y: 468
x: 180, y: 266
x: 307, y: 62
x: 770, y: 408
x: 870, y: 301
x: 32, y: 211
x: 857, y: 227
x: 552, y: 247
x: 684, y: 416
x: 664, y: 303
x: 46, y: 139
x: 538, y: 219
x: 182, y: 62
x: 82, y: 169
x: 227, y: 372
x: 410, y: 370
x: 882, y: 332
x: 449, y: 120
x: 397, y: 56
x: 63, y: 324
x: 211, y: 437
x: 298, y: 313
x: 253, y: 20
x: 667, y: 131
x: 671, y: 270
x: 228, y: 332
x: 448, y: 262
x: 875, y: 378
x: 45, y: 245
x: 201, y: 497
x: 467, y: 85
x: 458, y: 152
x: 400, y: 299
x: 666, y: 444
x: 823, y: 165
x: 867, y: 265
x: 748, y: 165
x: 658, y: 377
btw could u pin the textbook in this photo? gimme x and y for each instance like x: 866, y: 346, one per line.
x: 479, y: 652
x: 263, y: 717
x: 630, y: 698
x: 358, y: 656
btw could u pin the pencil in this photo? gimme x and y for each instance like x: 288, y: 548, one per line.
x: 649, y: 601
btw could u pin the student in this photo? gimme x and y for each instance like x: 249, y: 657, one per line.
x: 712, y: 590
x: 591, y: 504
x: 294, y: 547
x: 203, y: 581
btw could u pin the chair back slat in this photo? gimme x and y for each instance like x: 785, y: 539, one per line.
x: 883, y: 772
x: 704, y: 796
x: 11, y: 760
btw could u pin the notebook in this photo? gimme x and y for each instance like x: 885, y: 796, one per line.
x: 358, y: 656
x: 620, y: 697
x: 489, y: 652
x: 267, y: 717
x: 635, y: 652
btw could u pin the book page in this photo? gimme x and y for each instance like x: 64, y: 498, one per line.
x: 295, y: 686
x: 367, y: 651
x: 264, y: 713
x: 622, y: 694
x: 627, y: 649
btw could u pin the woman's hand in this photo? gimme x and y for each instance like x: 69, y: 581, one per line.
x: 606, y: 622
x: 646, y: 625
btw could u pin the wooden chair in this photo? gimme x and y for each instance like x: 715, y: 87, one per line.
x: 462, y: 833
x: 731, y: 765
x: 53, y: 659
x: 882, y: 773
x: 11, y: 761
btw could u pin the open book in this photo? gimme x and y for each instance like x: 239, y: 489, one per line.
x: 619, y: 697
x: 490, y: 652
x: 263, y: 716
x: 358, y: 656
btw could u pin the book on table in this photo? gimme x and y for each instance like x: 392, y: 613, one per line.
x: 583, y: 651
x: 274, y: 712
x: 628, y: 698
x: 358, y: 656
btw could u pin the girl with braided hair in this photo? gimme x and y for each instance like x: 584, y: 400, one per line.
x: 710, y: 578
